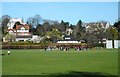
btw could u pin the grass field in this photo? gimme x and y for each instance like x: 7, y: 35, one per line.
x: 40, y: 62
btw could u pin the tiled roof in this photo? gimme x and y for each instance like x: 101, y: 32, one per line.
x: 25, y: 26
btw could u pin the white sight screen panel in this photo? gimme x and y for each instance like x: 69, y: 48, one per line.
x: 109, y: 44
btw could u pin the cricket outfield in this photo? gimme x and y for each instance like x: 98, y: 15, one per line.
x: 40, y: 62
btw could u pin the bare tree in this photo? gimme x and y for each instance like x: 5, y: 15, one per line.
x: 34, y: 21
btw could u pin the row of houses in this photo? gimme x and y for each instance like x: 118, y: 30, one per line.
x: 21, y: 31
x: 96, y: 26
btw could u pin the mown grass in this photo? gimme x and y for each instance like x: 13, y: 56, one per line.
x: 40, y: 62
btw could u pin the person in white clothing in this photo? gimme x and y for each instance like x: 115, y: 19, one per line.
x: 8, y: 52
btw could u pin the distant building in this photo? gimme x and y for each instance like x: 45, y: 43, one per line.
x: 21, y: 30
x: 12, y: 22
x: 69, y: 31
x: 95, y: 26
x: 68, y: 39
x: 36, y: 39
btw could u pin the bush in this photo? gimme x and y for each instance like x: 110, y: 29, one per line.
x: 99, y: 45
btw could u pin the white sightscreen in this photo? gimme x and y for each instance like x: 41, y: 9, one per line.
x: 115, y: 43
x: 109, y: 44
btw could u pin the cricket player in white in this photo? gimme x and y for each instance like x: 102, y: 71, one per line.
x: 8, y: 52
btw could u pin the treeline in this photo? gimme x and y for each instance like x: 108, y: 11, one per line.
x: 79, y: 31
x: 38, y: 28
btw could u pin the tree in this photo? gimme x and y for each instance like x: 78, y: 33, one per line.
x: 37, y: 18
x: 5, y: 20
x: 56, y: 25
x: 64, y: 25
x: 22, y: 19
x: 30, y: 21
x: 79, y: 25
x: 46, y: 27
x: 114, y: 32
x: 0, y: 33
x: 34, y: 21
x: 10, y: 37
x: 117, y: 25
x: 53, y: 35
x: 39, y: 30
x: 91, y: 39
x: 5, y: 17
x: 34, y: 31
x: 80, y: 30
x: 118, y: 29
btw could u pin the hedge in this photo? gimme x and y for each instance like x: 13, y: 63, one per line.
x: 38, y: 46
x: 22, y: 47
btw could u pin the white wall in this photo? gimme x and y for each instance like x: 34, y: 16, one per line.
x: 68, y: 42
x: 25, y: 39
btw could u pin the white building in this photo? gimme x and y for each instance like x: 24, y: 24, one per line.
x: 12, y: 22
x: 69, y: 31
x: 94, y: 26
x: 68, y: 41
x: 36, y: 39
x: 20, y: 30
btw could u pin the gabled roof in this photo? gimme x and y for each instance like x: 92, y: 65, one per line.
x: 18, y: 27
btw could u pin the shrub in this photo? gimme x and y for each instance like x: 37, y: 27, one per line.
x: 29, y: 45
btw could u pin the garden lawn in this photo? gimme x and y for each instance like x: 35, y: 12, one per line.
x: 40, y: 62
